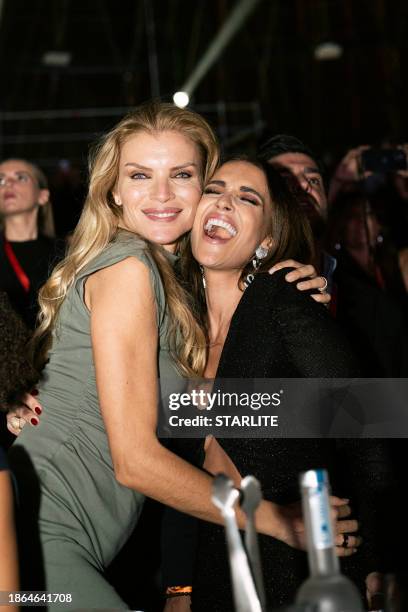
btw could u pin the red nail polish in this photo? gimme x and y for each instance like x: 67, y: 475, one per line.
x: 35, y: 392
x: 38, y: 410
x: 34, y: 421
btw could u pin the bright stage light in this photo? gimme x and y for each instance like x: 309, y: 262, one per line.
x: 328, y: 51
x: 181, y: 99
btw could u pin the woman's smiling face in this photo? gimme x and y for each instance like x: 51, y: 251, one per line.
x: 159, y: 185
x: 233, y: 217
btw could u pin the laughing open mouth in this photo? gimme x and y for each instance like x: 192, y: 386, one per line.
x: 218, y: 228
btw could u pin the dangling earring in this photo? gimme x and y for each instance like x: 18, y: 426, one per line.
x: 260, y: 253
x: 202, y: 276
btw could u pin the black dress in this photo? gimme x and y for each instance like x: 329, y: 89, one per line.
x: 278, y: 331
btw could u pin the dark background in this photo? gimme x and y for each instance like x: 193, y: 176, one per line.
x: 266, y: 80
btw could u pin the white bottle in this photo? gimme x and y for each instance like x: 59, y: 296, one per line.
x: 326, y: 588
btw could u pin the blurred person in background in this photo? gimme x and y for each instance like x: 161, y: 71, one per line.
x: 367, y: 328
x: 304, y: 173
x: 370, y: 305
x: 27, y: 236
x: 368, y: 232
x: 391, y: 187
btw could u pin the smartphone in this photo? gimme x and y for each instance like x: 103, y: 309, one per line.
x: 383, y: 161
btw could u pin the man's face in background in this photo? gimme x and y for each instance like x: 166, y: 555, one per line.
x: 306, y: 181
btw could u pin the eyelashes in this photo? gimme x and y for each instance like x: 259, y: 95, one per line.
x: 143, y: 176
x: 212, y: 191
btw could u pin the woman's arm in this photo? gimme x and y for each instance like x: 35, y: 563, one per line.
x: 125, y: 343
x: 8, y: 548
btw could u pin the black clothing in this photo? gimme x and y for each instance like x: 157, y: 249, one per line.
x: 36, y: 258
x: 374, y: 321
x: 277, y: 331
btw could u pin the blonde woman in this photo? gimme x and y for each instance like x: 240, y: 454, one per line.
x: 115, y: 310
x: 27, y: 245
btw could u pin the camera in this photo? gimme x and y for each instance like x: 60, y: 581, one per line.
x: 383, y: 161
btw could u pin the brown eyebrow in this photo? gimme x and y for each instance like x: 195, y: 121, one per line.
x: 242, y: 188
x: 282, y: 169
x: 18, y: 172
x: 186, y: 165
x: 312, y: 170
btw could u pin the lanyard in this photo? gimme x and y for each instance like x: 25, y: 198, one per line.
x: 15, y: 264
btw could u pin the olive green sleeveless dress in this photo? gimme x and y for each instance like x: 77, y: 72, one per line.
x: 64, y: 468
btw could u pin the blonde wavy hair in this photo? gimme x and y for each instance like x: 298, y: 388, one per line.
x: 99, y: 222
x: 45, y: 220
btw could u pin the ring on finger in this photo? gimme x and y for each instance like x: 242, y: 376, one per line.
x: 323, y: 289
x: 16, y: 422
x: 345, y: 540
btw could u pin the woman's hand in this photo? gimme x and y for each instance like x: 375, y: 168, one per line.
x: 306, y: 271
x: 293, y: 532
x: 28, y: 411
x: 348, y: 172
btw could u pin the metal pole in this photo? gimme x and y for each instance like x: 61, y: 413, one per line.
x: 229, y: 28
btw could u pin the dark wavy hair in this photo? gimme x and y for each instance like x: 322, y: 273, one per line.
x: 17, y: 375
x: 289, y: 228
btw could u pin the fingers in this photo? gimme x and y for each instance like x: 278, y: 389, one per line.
x: 338, y: 501
x: 19, y: 415
x: 18, y: 418
x: 31, y: 401
x: 13, y: 425
x: 302, y: 272
x: 352, y: 541
x: 347, y: 526
x: 343, y: 511
x: 345, y: 552
x: 291, y: 263
x: 319, y: 283
x: 322, y: 298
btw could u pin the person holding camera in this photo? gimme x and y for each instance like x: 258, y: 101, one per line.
x: 382, y: 170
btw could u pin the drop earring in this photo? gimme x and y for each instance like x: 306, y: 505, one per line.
x: 260, y: 253
x: 202, y: 276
